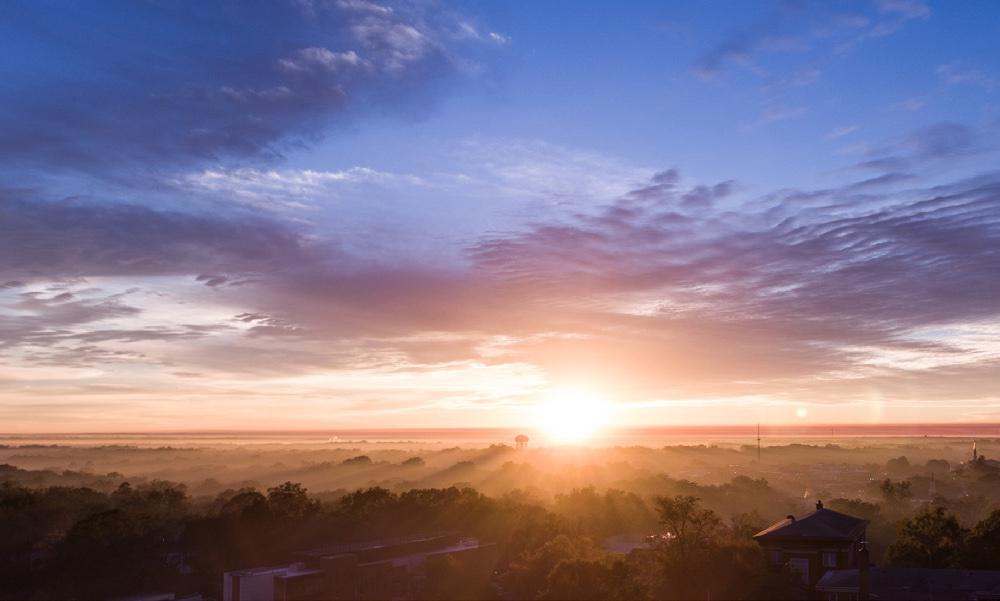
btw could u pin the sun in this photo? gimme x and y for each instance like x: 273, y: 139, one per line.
x: 572, y: 416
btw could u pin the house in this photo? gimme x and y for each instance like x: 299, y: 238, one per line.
x: 276, y: 583
x: 814, y: 543
x: 916, y: 584
x: 383, y: 569
x: 159, y: 597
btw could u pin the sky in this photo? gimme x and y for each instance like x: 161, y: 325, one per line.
x: 322, y: 214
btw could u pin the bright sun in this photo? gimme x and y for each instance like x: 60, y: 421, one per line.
x: 571, y: 415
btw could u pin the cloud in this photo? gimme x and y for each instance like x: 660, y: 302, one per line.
x: 538, y: 170
x: 911, y: 105
x: 499, y: 38
x: 785, y: 28
x: 36, y: 321
x: 783, y: 113
x: 933, y: 143
x: 736, y: 49
x: 784, y: 47
x: 943, y: 140
x: 795, y: 287
x: 888, y: 179
x: 840, y: 132
x: 908, y: 9
x: 803, y: 286
x: 74, y: 239
x: 308, y: 59
x: 284, y: 188
x: 248, y: 83
x: 957, y: 75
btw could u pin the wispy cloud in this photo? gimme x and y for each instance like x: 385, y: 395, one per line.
x: 212, y: 101
x: 840, y: 132
x: 785, y: 28
x: 802, y: 284
x: 957, y: 75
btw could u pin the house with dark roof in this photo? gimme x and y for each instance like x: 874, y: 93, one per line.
x: 814, y: 543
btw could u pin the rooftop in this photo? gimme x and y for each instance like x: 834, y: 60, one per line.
x: 418, y: 557
x: 295, y: 569
x: 917, y: 583
x: 820, y: 524
x: 380, y: 544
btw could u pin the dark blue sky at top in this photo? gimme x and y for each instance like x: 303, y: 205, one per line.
x: 349, y: 185
x: 618, y: 80
x: 624, y: 81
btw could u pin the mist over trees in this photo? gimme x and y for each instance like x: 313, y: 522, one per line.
x: 620, y: 523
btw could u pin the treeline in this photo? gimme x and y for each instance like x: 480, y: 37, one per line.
x: 65, y: 542
x: 75, y: 542
x: 965, y: 494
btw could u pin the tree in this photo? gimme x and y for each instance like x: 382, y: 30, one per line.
x: 703, y: 558
x: 895, y: 492
x: 359, y: 460
x: 983, y: 551
x: 444, y: 577
x: 593, y: 579
x: 898, y: 464
x: 604, y: 514
x: 933, y: 539
x: 528, y: 575
x: 247, y: 503
x: 855, y: 507
x: 108, y: 554
x: 689, y: 526
x: 745, y: 524
x: 290, y: 500
x: 365, y: 501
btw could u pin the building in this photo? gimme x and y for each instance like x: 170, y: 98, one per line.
x: 159, y: 597
x: 280, y: 583
x: 387, y: 569
x: 916, y: 584
x: 814, y: 543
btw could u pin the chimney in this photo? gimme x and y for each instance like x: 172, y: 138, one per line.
x: 819, y: 505
x: 864, y: 573
x: 790, y: 517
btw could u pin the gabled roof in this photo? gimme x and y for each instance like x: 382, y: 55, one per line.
x: 820, y: 524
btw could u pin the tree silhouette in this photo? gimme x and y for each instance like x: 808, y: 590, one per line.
x: 933, y: 539
x: 690, y: 526
x: 983, y: 551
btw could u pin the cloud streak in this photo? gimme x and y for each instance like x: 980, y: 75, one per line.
x: 803, y: 285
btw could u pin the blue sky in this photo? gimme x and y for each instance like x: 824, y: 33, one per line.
x: 626, y: 83
x: 352, y: 214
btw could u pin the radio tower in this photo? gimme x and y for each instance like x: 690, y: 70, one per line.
x: 758, y: 442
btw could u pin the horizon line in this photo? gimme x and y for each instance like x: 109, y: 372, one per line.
x: 750, y: 428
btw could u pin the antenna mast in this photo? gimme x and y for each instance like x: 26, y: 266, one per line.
x: 758, y: 442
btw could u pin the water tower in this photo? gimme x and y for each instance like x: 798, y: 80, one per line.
x: 520, y: 441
